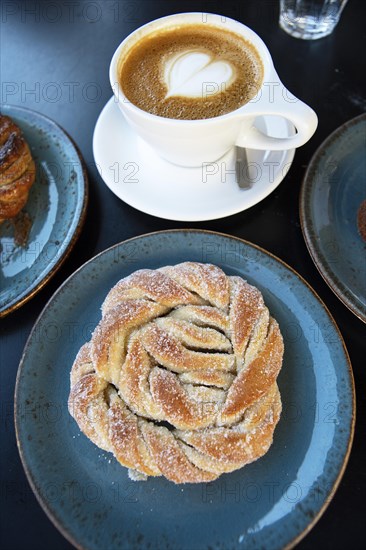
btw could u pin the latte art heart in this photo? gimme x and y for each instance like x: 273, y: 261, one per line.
x: 190, y: 74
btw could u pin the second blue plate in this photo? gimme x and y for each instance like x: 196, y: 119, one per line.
x: 56, y: 207
x: 333, y: 190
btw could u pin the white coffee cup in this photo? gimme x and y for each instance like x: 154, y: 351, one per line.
x: 193, y: 142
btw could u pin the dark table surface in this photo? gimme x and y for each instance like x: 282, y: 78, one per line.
x: 73, y: 42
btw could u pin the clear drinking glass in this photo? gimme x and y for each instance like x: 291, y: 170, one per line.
x: 310, y: 19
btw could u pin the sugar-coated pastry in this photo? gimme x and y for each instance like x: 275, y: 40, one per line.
x: 179, y: 377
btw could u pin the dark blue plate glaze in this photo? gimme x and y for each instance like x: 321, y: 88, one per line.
x: 271, y: 503
x: 56, y: 206
x: 333, y: 190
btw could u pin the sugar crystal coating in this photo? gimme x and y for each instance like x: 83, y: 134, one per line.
x: 179, y: 378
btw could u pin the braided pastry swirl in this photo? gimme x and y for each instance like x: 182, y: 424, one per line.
x: 179, y: 377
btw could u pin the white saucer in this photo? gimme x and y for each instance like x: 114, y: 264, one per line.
x: 138, y: 176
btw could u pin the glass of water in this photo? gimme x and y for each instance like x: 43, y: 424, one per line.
x: 310, y: 19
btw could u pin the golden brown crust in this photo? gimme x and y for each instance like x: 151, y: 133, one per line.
x: 179, y: 378
x: 7, y: 127
x: 17, y: 169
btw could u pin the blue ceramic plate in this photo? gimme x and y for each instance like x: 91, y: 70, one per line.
x: 271, y: 503
x: 332, y: 192
x: 56, y: 206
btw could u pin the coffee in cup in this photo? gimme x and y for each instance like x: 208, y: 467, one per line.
x: 210, y: 112
x: 190, y: 71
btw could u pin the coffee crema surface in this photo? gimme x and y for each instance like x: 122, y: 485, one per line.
x: 190, y: 72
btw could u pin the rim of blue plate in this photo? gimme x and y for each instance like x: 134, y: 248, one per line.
x: 33, y: 291
x: 307, y: 226
x: 43, y: 503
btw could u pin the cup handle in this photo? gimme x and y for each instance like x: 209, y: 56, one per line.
x: 280, y: 102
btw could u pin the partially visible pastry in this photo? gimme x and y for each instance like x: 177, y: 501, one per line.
x: 361, y: 220
x: 17, y: 169
x: 179, y: 378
